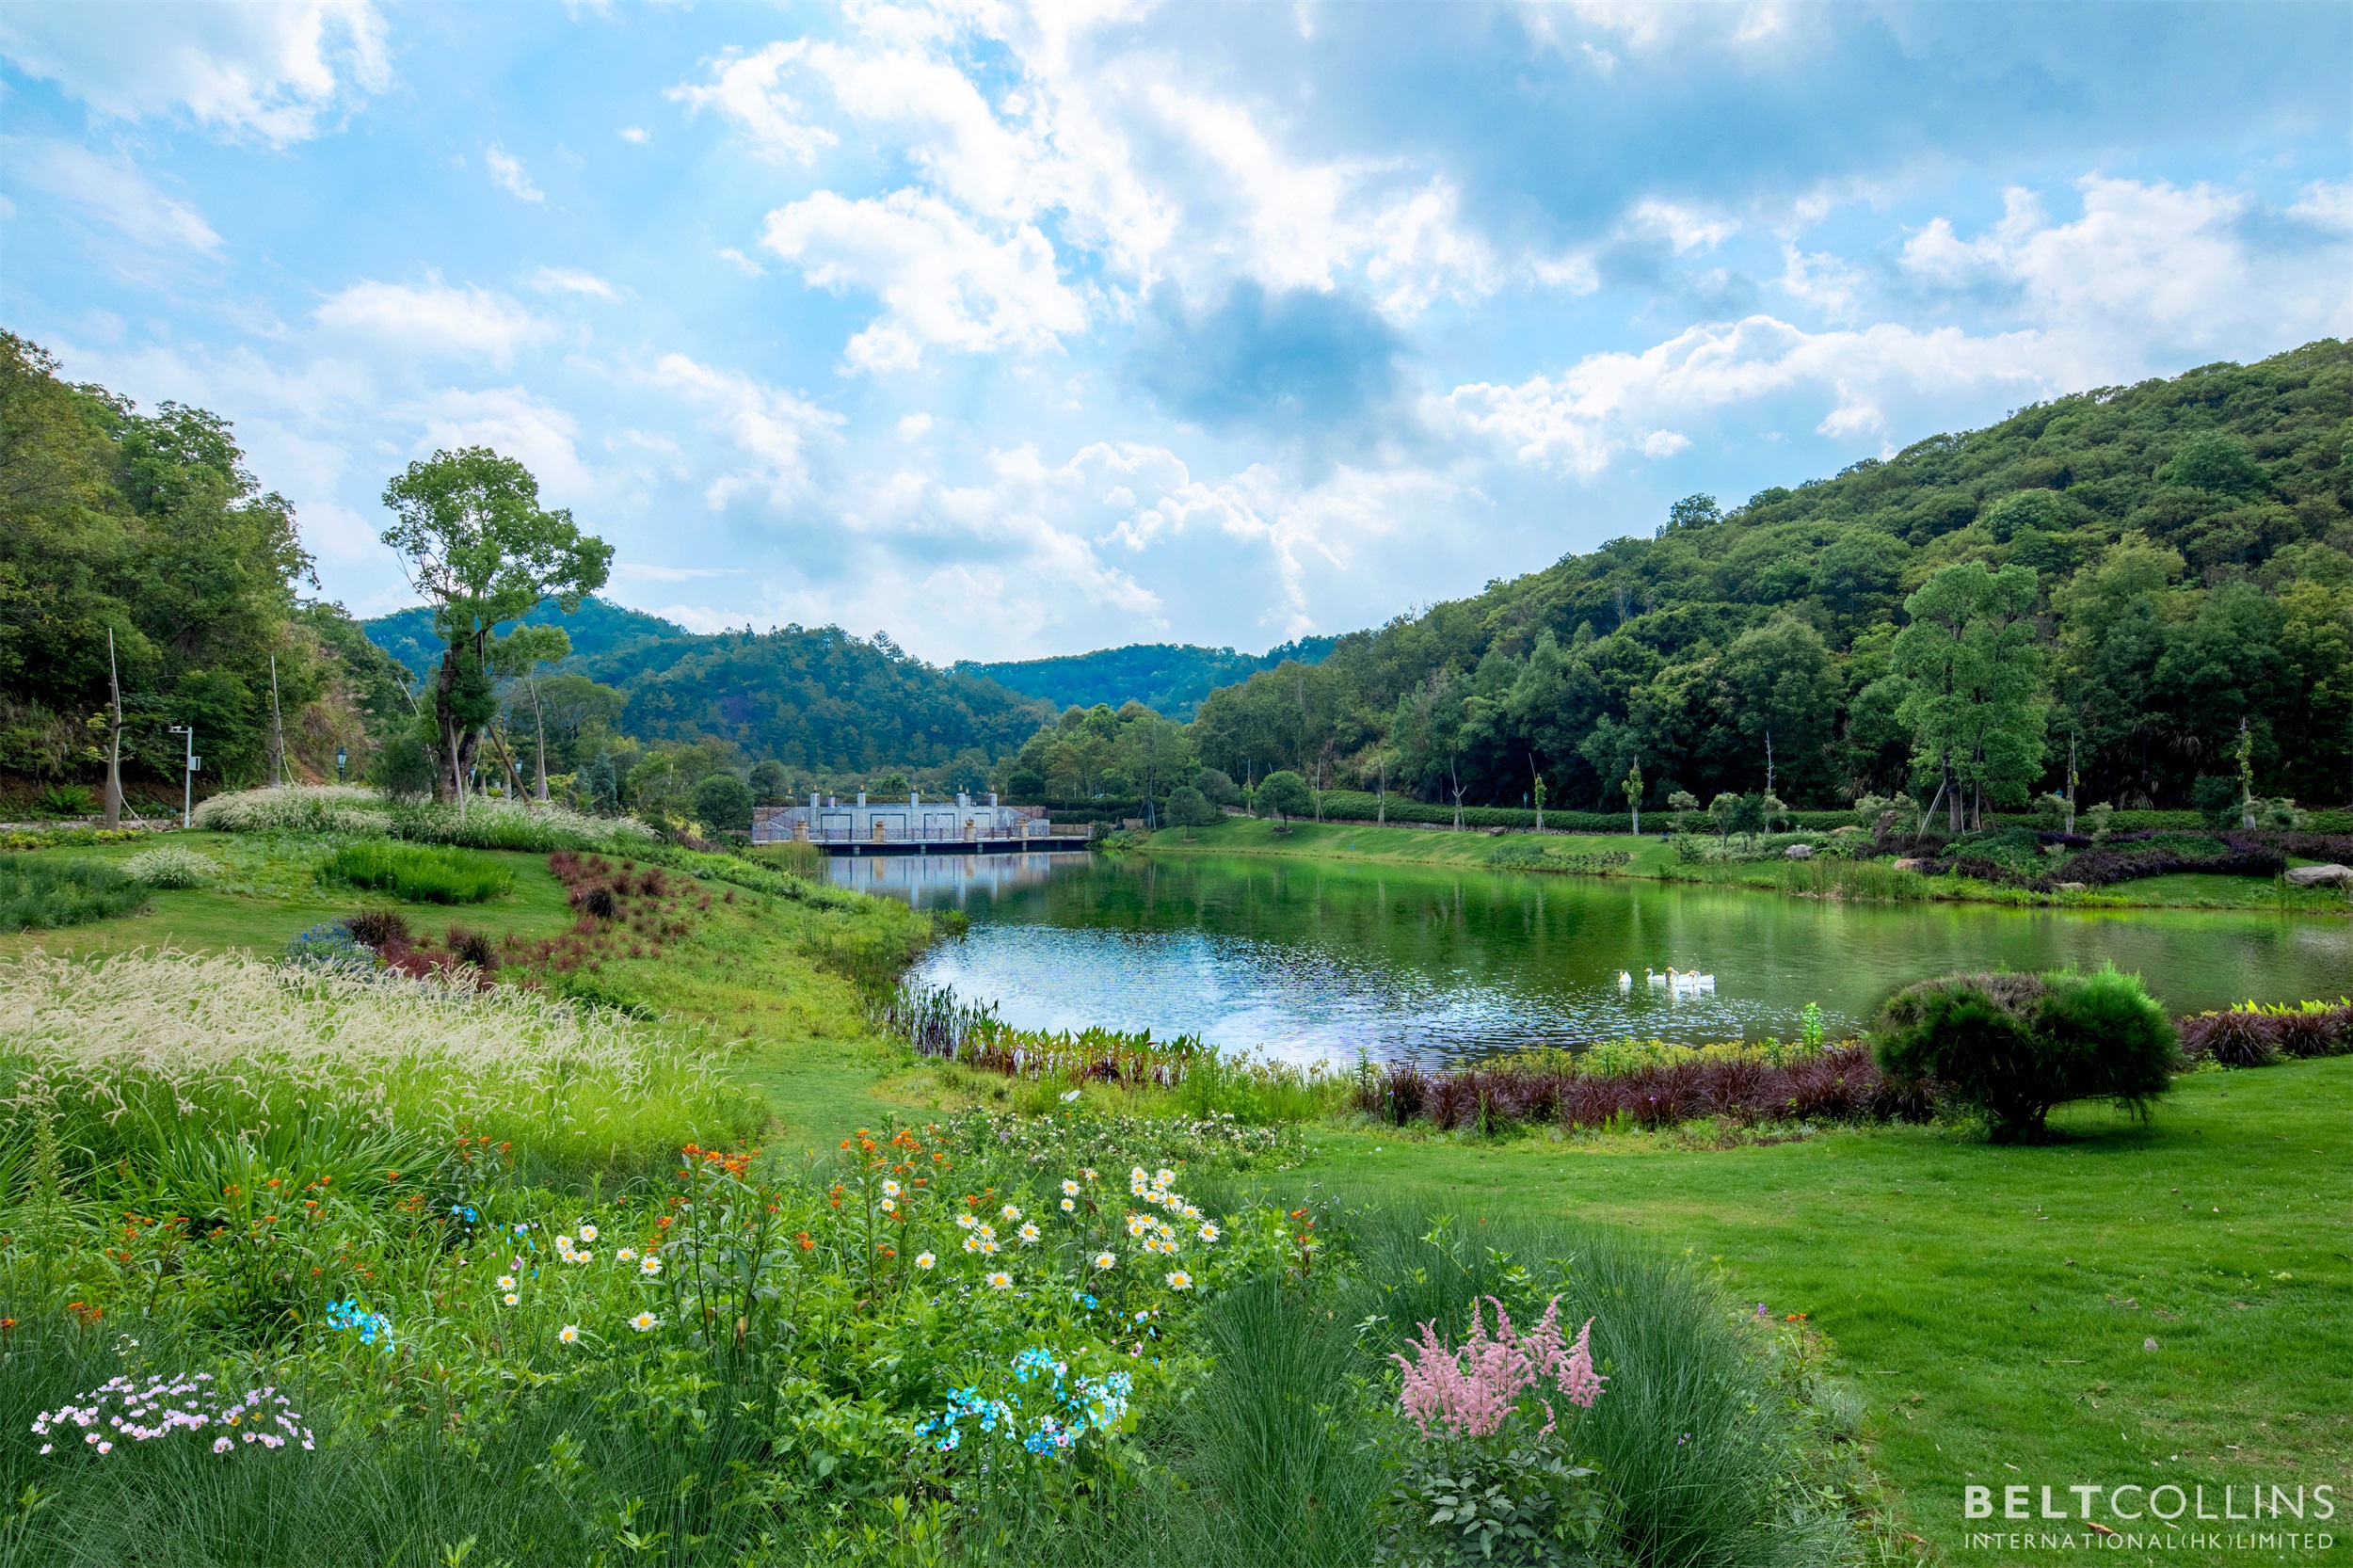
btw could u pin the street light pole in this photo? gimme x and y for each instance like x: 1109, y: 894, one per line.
x: 187, y: 779
x: 339, y: 765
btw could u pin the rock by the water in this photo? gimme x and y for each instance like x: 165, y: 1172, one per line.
x: 1911, y: 863
x: 1800, y: 851
x: 2319, y: 876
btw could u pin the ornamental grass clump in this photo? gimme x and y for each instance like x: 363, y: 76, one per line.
x: 345, y: 809
x: 2014, y: 1046
x: 142, y: 1053
x: 419, y: 873
x: 172, y: 866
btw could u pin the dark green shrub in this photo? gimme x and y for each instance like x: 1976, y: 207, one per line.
x: 36, y: 895
x: 2220, y: 800
x: 2016, y: 1045
x: 419, y: 873
x: 723, y: 804
x: 1217, y: 788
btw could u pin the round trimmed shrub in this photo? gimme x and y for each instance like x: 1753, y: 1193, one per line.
x: 1188, y: 807
x: 2017, y: 1045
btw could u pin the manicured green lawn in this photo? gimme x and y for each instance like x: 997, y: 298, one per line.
x: 1994, y: 1302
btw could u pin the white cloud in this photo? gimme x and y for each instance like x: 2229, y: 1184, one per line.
x: 1665, y: 443
x: 646, y: 571
x: 741, y: 262
x: 509, y: 170
x: 744, y: 89
x: 469, y: 321
x: 266, y: 70
x: 1822, y: 280
x: 2325, y: 205
x: 1687, y: 229
x: 912, y: 426
x: 1581, y: 418
x: 772, y: 428
x: 517, y: 425
x: 635, y: 134
x: 113, y: 192
x: 2155, y: 267
x: 572, y: 280
x: 941, y: 280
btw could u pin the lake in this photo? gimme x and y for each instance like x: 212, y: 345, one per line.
x: 1309, y: 959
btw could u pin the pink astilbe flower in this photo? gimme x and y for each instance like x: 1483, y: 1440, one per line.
x: 1470, y: 1391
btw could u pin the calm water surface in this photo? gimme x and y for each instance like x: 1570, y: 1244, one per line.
x: 1307, y: 959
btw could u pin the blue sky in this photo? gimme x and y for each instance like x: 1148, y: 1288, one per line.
x: 1013, y: 331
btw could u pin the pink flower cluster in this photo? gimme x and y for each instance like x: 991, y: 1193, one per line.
x: 1470, y: 1392
x: 164, y: 1406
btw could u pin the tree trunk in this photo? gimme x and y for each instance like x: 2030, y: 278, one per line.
x: 114, y: 748
x: 539, y: 724
x: 1455, y: 779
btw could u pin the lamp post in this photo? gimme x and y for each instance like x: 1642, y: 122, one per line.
x: 339, y: 765
x: 187, y: 778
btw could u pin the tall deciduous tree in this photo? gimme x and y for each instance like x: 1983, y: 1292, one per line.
x: 481, y: 551
x: 1971, y: 675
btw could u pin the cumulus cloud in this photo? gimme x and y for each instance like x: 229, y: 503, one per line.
x: 2149, y: 264
x: 513, y: 422
x: 1581, y: 420
x: 2147, y: 272
x: 744, y: 90
x: 773, y: 429
x: 942, y: 280
x: 433, y: 317
x: 267, y: 71
x: 114, y: 193
x: 509, y: 171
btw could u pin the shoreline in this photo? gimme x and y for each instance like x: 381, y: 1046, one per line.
x: 1651, y: 857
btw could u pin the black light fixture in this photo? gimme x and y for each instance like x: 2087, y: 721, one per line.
x: 339, y: 765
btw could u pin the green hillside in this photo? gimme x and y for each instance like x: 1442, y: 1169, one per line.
x: 1171, y: 678
x: 2175, y: 557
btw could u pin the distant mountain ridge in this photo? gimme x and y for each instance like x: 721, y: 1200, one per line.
x: 1172, y: 678
x: 810, y: 697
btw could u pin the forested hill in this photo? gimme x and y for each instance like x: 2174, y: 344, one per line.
x: 599, y: 630
x: 2162, y: 562
x: 816, y: 701
x: 1168, y: 678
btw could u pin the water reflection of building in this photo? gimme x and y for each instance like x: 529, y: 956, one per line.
x: 930, y: 880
